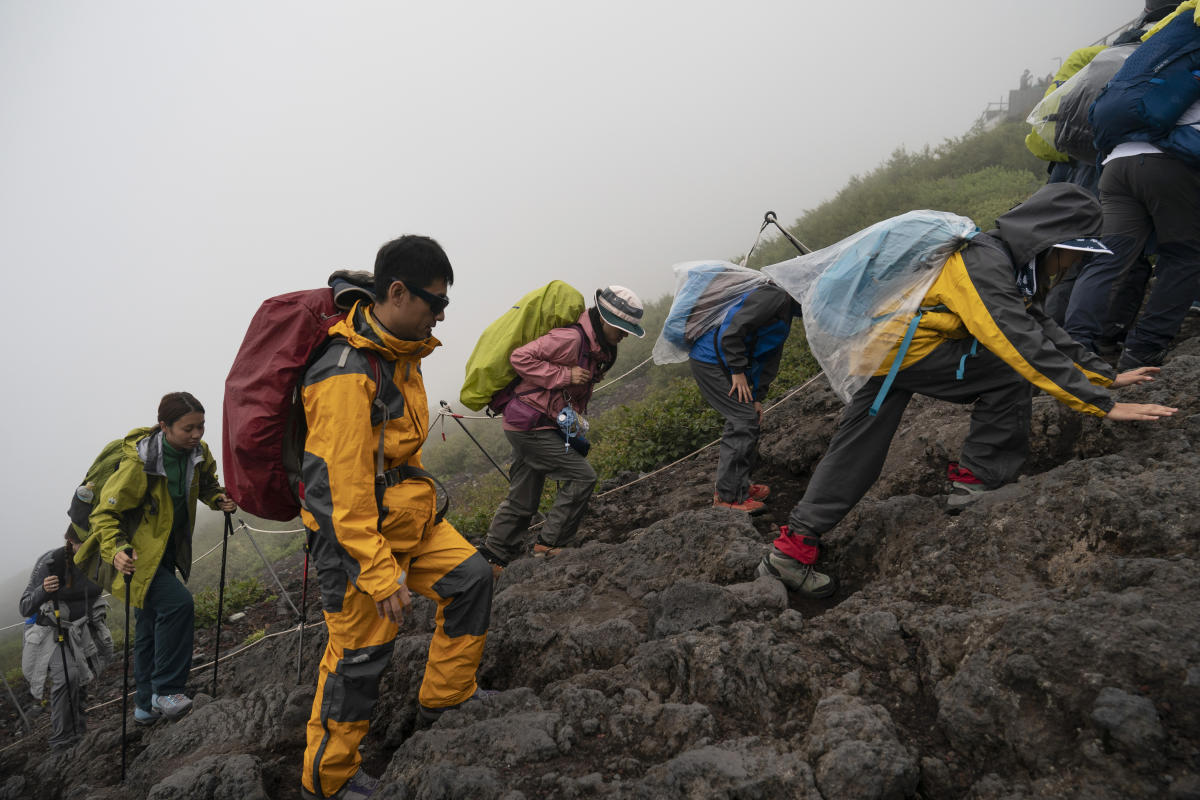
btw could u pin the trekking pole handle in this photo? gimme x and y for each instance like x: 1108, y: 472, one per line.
x: 129, y: 552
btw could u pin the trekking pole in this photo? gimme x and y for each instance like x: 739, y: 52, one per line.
x: 303, y: 609
x: 62, y: 641
x: 221, y: 596
x: 457, y: 418
x: 20, y: 711
x: 125, y: 677
x: 770, y: 219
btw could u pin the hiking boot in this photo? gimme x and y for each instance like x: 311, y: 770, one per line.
x: 143, y: 717
x: 965, y: 488
x: 171, y: 705
x: 545, y: 551
x: 759, y: 492
x: 1130, y: 360
x: 795, y: 576
x: 963, y: 494
x: 430, y: 715
x: 749, y: 505
x: 498, y: 564
x: 359, y: 787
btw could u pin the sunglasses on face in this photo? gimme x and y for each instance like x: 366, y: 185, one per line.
x: 437, y: 302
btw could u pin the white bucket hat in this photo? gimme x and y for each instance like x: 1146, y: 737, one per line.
x: 621, y: 308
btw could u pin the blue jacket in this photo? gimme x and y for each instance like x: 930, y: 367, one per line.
x: 750, y: 338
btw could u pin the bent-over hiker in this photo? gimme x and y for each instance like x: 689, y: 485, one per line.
x: 986, y: 343
x: 733, y: 367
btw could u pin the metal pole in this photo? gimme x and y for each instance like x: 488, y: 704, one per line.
x: 17, y: 705
x: 282, y: 591
x: 303, y: 605
x: 455, y: 417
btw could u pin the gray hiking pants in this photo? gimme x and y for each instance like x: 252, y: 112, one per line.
x: 538, y: 455
x: 996, y: 444
x: 67, y: 721
x: 739, y: 439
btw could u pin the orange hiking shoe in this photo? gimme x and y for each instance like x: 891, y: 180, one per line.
x: 749, y: 505
x: 759, y: 491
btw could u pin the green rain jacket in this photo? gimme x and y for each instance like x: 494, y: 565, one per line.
x: 136, y: 496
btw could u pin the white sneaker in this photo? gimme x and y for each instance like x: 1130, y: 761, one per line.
x: 171, y: 705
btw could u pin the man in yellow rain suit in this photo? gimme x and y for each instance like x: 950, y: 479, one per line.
x: 371, y: 512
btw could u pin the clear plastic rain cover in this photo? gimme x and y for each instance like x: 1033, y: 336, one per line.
x: 859, y: 295
x: 704, y: 292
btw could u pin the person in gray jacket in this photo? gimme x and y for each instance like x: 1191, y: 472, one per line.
x: 57, y: 585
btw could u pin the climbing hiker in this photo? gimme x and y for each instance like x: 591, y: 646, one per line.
x: 69, y: 638
x: 544, y: 424
x: 984, y: 340
x: 163, y: 471
x: 371, y: 510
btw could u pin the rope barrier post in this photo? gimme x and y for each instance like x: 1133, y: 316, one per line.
x: 271, y: 570
x: 452, y: 415
x: 221, y: 597
x: 20, y: 711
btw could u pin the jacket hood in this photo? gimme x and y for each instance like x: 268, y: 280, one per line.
x: 1055, y: 213
x: 364, y: 332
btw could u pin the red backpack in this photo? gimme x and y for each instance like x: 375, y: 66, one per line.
x: 263, y: 425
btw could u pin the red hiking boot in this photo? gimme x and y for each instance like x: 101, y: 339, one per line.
x: 749, y: 505
x: 759, y: 491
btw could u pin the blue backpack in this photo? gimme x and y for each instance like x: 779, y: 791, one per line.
x: 1145, y: 99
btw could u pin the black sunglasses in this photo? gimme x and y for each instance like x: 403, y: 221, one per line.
x: 437, y: 302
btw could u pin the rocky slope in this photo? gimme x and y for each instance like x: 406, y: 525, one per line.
x: 1043, y: 643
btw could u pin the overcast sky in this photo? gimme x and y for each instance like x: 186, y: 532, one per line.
x: 165, y: 166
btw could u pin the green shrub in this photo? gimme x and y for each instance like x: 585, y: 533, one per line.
x: 238, y: 595
x: 254, y: 637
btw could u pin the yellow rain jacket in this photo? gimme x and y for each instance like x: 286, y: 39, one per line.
x: 138, y: 490
x: 362, y: 370
x: 976, y: 295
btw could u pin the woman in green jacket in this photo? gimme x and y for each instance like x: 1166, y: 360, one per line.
x: 162, y: 473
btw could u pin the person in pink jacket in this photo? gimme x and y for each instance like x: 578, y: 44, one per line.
x: 557, y: 372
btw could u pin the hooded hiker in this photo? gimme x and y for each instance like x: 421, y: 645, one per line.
x: 163, y: 471
x: 543, y: 423
x: 375, y: 530
x: 64, y: 600
x: 984, y: 339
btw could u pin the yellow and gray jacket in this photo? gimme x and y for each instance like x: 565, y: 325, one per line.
x: 976, y: 295
x: 139, y: 489
x: 357, y: 535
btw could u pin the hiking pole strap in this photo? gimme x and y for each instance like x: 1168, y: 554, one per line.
x: 962, y: 362
x: 899, y: 359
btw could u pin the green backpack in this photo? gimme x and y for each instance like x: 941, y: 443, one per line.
x: 489, y: 373
x: 84, y: 500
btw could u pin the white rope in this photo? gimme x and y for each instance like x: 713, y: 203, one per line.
x: 242, y: 524
x: 619, y: 377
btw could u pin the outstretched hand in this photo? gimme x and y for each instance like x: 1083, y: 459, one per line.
x: 1135, y: 376
x: 1133, y: 412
